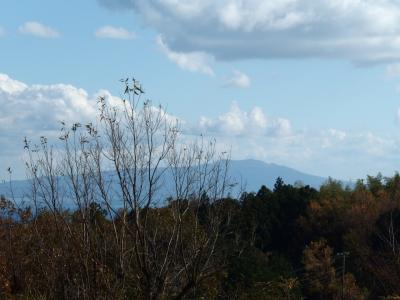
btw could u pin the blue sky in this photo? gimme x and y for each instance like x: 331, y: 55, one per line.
x: 311, y: 85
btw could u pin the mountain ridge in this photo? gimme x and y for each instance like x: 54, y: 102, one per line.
x: 250, y: 174
x: 257, y: 173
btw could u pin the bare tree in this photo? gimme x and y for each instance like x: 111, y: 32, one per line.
x: 125, y: 167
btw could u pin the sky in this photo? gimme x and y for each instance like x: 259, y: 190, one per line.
x: 313, y: 85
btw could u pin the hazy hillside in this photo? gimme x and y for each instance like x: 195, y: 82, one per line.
x: 251, y: 174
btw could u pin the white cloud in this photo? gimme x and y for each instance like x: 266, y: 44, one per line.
x: 359, y: 31
x: 41, y: 107
x: 237, y: 122
x: 2, y: 31
x: 111, y: 32
x: 190, y: 61
x: 281, y: 127
x: 36, y: 110
x: 238, y: 79
x: 258, y: 118
x: 330, y: 138
x: 38, y: 29
x: 11, y: 86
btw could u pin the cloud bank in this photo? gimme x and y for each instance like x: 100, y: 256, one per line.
x: 327, y: 152
x: 237, y: 122
x: 362, y: 32
x: 35, y: 110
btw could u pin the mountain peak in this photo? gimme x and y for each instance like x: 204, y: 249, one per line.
x: 256, y: 173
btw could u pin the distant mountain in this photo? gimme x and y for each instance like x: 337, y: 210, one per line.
x: 249, y: 173
x: 255, y: 173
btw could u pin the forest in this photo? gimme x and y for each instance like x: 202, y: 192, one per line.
x: 122, y: 240
x: 288, y: 243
